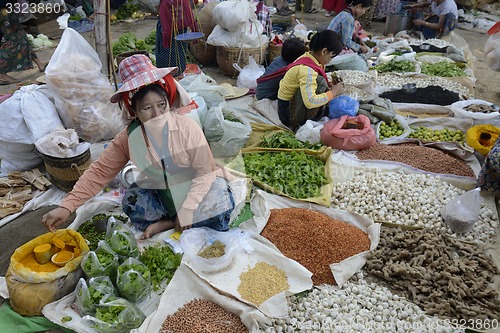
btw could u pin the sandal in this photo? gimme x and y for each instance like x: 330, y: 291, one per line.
x: 311, y: 11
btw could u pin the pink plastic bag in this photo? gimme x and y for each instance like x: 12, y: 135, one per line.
x: 333, y: 135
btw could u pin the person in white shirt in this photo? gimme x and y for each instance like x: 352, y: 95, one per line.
x: 438, y: 20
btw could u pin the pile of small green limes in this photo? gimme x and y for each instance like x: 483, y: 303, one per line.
x: 394, y: 128
x: 435, y: 135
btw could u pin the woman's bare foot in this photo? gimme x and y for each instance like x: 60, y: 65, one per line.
x: 157, y: 227
x: 7, y: 79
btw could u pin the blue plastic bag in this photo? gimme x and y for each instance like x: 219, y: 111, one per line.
x: 342, y: 105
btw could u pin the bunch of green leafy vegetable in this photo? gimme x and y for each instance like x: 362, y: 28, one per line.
x: 99, y: 262
x: 129, y: 42
x: 126, y: 10
x: 90, y: 234
x: 294, y: 173
x: 117, y: 316
x: 161, y: 262
x: 151, y: 39
x: 443, y: 69
x: 99, y: 289
x: 123, y: 243
x: 401, y: 66
x: 133, y: 281
x: 287, y: 140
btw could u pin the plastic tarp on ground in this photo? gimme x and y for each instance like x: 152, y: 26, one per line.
x: 263, y: 202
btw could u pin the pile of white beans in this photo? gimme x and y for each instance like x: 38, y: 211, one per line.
x: 359, y: 306
x: 432, y: 41
x: 406, y: 199
x: 353, y: 77
x: 396, y: 81
x: 432, y: 59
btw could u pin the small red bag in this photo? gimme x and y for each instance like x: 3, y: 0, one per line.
x: 332, y: 134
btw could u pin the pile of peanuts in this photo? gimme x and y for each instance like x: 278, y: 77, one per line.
x: 314, y: 240
x: 202, y: 316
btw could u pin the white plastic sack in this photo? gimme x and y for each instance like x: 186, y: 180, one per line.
x: 462, y: 212
x: 225, y: 137
x: 17, y: 157
x: 248, y: 35
x: 492, y: 51
x: 249, y: 74
x: 194, y: 240
x: 206, y: 87
x: 387, y: 56
x: 232, y: 14
x: 81, y: 91
x: 27, y: 116
x: 459, y: 110
x: 61, y: 143
x: 310, y: 131
x: 351, y: 61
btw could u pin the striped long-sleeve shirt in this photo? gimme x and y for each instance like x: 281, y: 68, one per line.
x: 343, y: 24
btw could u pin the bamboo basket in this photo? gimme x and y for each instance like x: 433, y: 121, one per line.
x: 204, y: 53
x: 273, y: 52
x: 227, y: 56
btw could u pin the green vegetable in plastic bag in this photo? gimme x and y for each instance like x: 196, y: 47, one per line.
x: 133, y: 280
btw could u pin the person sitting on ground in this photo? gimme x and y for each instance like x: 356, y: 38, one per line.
x: 264, y: 16
x: 304, y: 91
x: 345, y: 24
x: 182, y: 187
x: 16, y: 52
x: 440, y: 21
x: 267, y: 84
x: 489, y: 176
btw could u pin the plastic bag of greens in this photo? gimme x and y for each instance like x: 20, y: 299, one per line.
x: 133, y: 280
x: 462, y: 212
x: 115, y: 315
x: 89, y: 296
x: 103, y: 261
x: 121, y: 239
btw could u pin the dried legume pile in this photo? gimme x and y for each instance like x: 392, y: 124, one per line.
x: 202, y: 316
x: 261, y: 282
x: 430, y: 95
x: 215, y: 250
x: 423, y: 158
x: 444, y: 276
x: 359, y: 307
x: 408, y: 199
x: 314, y: 240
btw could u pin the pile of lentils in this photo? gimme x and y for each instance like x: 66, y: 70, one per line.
x: 314, y: 240
x: 407, y: 199
x: 262, y: 282
x: 442, y: 275
x: 201, y: 315
x: 359, y: 307
x: 420, y: 157
x: 429, y: 95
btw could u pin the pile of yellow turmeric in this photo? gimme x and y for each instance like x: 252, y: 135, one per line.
x: 40, y: 259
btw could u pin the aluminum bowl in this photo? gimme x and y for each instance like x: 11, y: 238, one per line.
x: 409, y: 88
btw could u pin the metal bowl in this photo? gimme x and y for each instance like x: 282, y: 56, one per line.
x: 409, y: 88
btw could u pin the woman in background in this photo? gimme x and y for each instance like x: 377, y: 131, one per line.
x: 439, y: 21
x: 175, y: 17
x: 16, y: 53
x: 345, y: 23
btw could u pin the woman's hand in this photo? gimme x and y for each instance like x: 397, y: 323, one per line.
x: 337, y: 89
x: 363, y: 48
x: 55, y: 217
x: 419, y: 22
x: 184, y: 219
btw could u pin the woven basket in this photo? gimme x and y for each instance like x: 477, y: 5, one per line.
x: 273, y: 52
x: 204, y: 53
x: 64, y: 172
x: 227, y: 56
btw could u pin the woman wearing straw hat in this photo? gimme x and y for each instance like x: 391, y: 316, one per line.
x: 181, y: 185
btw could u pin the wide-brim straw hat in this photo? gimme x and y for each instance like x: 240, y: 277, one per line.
x: 232, y: 91
x: 137, y: 71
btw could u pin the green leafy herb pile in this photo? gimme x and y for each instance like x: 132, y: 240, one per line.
x: 118, y: 316
x: 395, y: 66
x: 126, y: 10
x: 295, y: 174
x: 133, y: 281
x: 287, y: 140
x: 129, y: 42
x: 98, y: 290
x: 443, y: 69
x: 89, y: 233
x: 161, y: 262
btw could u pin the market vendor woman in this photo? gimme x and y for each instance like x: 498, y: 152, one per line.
x: 439, y: 21
x: 304, y: 91
x: 181, y: 186
x: 489, y: 177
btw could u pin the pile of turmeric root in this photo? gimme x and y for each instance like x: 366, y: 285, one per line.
x: 18, y: 188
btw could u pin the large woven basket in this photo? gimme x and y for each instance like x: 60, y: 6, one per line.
x: 64, y: 172
x: 227, y: 56
x: 204, y: 53
x: 273, y: 52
